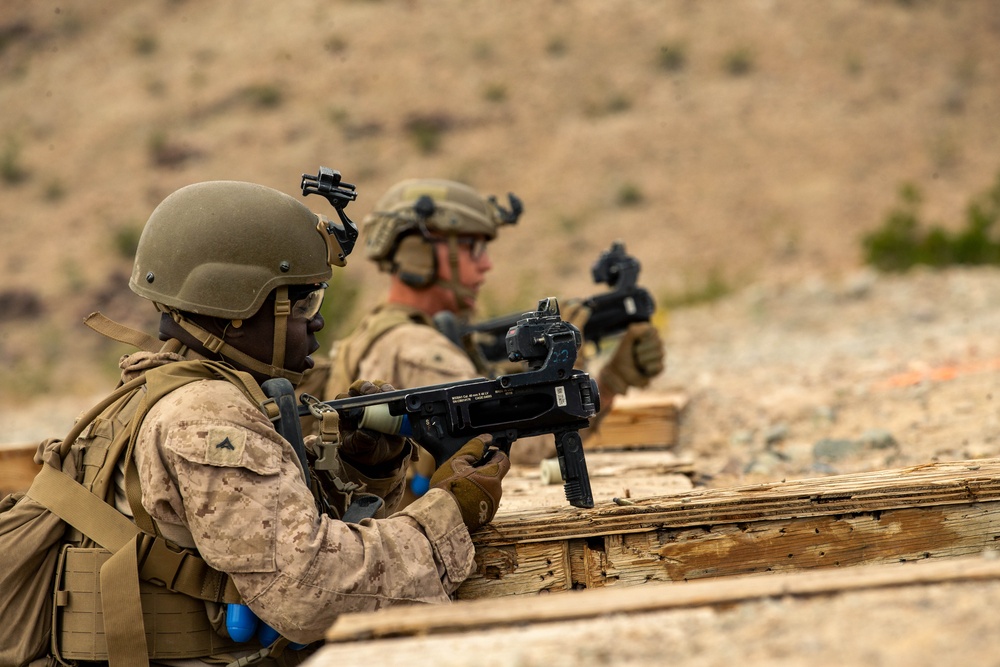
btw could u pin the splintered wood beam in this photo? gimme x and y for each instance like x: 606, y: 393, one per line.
x: 939, y: 510
x: 476, y: 615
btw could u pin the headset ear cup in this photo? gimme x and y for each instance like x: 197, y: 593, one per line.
x: 416, y: 262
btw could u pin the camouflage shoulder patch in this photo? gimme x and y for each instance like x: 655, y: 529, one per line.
x: 224, y: 446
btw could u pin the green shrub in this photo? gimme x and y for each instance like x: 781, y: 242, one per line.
x: 629, y: 194
x: 483, y: 51
x: 12, y: 171
x: 335, y: 44
x: 853, y: 65
x: 614, y: 102
x: 618, y: 102
x: 427, y: 130
x: 145, y: 44
x: 901, y: 242
x: 126, y: 240
x: 495, y: 92
x: 672, y: 57
x: 264, y: 96
x: 738, y: 62
x: 893, y: 247
x: 54, y: 191
x: 570, y: 224
x: 556, y: 47
x: 712, y: 289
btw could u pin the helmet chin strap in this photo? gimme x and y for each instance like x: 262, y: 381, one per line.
x: 462, y: 293
x: 282, y: 309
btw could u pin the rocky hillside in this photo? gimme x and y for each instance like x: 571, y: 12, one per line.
x: 728, y: 144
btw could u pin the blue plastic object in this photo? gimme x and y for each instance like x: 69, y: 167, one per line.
x: 241, y: 623
x: 420, y: 484
x: 267, y: 635
x: 405, y: 429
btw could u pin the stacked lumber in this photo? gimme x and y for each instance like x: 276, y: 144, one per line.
x: 639, y: 421
x: 928, y: 511
x: 612, y: 475
x: 17, y: 467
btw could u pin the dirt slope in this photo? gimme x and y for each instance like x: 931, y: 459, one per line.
x: 752, y: 140
x: 749, y: 140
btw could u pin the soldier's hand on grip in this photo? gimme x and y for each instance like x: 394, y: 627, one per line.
x: 364, y: 447
x: 476, y: 488
x: 639, y: 358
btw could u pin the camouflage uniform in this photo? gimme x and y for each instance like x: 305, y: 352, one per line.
x: 413, y: 353
x: 218, y: 478
x: 400, y: 345
x: 238, y: 272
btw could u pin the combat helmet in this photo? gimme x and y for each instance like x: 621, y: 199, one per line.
x: 219, y: 248
x: 412, y: 212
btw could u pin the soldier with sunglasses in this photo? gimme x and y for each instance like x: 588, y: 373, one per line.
x: 238, y: 272
x: 431, y: 236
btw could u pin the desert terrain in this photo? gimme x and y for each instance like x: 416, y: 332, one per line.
x: 742, y: 150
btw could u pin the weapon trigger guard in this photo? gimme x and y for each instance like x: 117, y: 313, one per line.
x: 484, y: 459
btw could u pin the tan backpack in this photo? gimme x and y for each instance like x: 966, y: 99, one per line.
x: 77, y: 575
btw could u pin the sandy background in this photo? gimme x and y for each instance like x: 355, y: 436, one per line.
x: 747, y: 145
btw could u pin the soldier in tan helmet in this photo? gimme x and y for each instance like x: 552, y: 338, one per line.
x: 431, y: 236
x: 238, y: 272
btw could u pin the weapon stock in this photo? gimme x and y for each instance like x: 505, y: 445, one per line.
x: 550, y: 397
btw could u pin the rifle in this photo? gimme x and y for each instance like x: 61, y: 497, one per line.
x: 610, y: 312
x: 550, y: 397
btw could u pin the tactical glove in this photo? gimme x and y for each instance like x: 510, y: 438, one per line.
x: 638, y: 358
x: 364, y: 447
x: 476, y: 489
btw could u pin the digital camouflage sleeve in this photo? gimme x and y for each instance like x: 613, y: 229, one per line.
x: 217, y: 477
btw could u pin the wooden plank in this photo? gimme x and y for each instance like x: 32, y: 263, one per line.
x: 931, y: 484
x: 17, y: 467
x: 939, y: 511
x: 467, y: 616
x: 639, y: 422
x: 612, y: 474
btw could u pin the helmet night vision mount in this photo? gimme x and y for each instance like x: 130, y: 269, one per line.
x: 327, y: 182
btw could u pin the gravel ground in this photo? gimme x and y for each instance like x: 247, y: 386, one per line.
x: 793, y: 381
x: 774, y: 369
x: 790, y: 381
x: 823, y: 378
